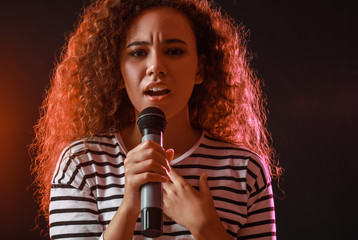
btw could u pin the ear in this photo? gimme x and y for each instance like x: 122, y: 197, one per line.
x: 199, y: 78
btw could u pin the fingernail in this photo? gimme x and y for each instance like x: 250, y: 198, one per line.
x: 170, y: 153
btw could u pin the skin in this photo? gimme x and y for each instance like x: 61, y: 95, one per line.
x: 160, y: 51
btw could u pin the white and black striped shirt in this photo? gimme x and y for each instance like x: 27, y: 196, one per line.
x: 88, y: 187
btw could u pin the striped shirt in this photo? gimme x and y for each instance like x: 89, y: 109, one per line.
x: 88, y: 187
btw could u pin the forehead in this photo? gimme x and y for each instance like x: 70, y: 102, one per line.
x: 165, y: 22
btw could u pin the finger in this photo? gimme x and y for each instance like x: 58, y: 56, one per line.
x: 147, y: 177
x: 150, y: 144
x: 203, y: 184
x: 174, y: 176
x: 167, y: 186
x: 149, y: 165
x: 179, y: 183
x: 158, y: 149
x: 147, y: 154
x: 170, y: 154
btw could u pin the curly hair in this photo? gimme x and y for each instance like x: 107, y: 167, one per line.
x: 84, y: 98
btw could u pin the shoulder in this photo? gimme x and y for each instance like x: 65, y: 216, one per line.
x: 88, y: 155
x: 256, y: 166
x: 213, y: 144
x: 100, y: 149
x: 103, y: 144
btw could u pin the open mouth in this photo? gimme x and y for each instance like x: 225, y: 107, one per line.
x: 157, y: 91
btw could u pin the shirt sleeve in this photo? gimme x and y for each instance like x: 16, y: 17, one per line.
x: 73, y: 208
x: 260, y: 222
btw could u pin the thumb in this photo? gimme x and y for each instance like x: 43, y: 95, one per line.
x: 169, y: 154
x: 203, y: 184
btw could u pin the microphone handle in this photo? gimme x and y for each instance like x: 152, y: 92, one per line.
x: 152, y: 196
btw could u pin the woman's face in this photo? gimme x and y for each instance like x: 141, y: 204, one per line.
x: 159, y: 61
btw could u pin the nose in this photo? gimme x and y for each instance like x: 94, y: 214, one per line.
x: 156, y: 65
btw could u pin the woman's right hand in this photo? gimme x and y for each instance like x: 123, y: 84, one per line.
x: 147, y: 162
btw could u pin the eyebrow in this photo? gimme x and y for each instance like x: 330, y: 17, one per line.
x: 167, y: 41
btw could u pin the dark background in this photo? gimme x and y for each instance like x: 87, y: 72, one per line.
x: 306, y: 52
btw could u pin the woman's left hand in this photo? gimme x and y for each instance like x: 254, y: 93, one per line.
x: 192, y: 208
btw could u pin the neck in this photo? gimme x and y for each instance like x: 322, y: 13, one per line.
x: 179, y: 134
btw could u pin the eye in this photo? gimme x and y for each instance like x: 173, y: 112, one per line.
x: 138, y: 53
x: 175, y: 51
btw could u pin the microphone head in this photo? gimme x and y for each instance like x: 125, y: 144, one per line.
x: 152, y: 117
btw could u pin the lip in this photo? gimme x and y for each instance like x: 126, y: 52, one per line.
x: 156, y: 85
x: 157, y: 98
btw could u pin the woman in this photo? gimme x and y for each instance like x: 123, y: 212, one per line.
x: 189, y: 60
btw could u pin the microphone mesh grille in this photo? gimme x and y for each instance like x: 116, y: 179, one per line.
x: 152, y: 117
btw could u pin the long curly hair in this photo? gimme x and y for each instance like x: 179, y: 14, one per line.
x: 84, y: 98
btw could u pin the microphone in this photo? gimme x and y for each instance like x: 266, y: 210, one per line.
x: 151, y: 123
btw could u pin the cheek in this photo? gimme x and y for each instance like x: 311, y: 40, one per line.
x: 187, y: 76
x: 130, y: 73
x: 127, y: 69
x: 186, y: 68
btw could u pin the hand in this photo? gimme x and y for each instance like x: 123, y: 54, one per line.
x: 148, y: 162
x: 191, y: 208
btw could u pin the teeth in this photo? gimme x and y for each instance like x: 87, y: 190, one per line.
x: 155, y: 89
